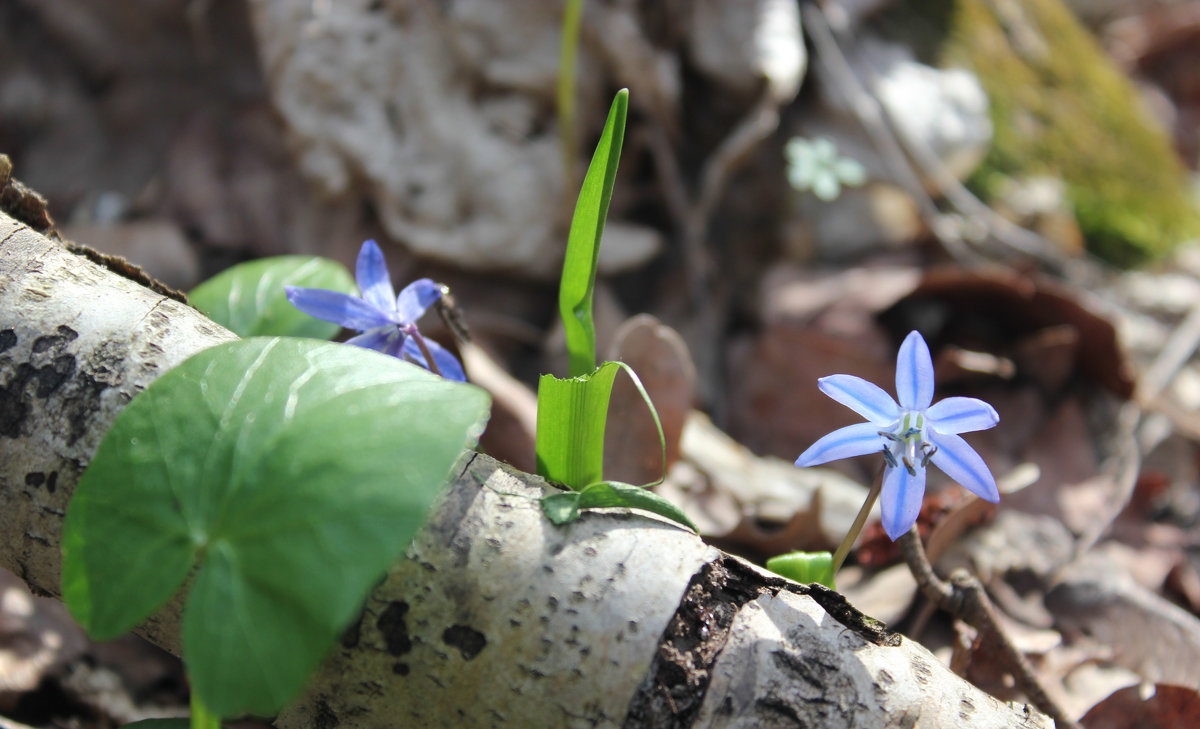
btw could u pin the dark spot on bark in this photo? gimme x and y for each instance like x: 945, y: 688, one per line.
x: 323, y: 717
x: 394, y: 628
x: 52, y: 482
x: 50, y: 341
x: 82, y: 406
x: 8, y: 339
x: 35, y: 479
x: 782, y: 708
x: 466, y: 639
x: 400, y: 669
x: 51, y: 377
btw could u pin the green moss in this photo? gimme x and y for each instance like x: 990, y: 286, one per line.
x: 1061, y: 107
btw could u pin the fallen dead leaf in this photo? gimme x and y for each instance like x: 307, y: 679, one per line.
x: 1164, y: 706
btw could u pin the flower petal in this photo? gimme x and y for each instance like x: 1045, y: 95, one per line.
x: 914, y: 373
x: 344, y: 309
x: 416, y: 298
x: 447, y: 363
x: 376, y: 339
x: 374, y: 283
x: 964, y: 465
x: 901, y: 500
x: 865, y: 398
x: 956, y: 415
x: 853, y: 440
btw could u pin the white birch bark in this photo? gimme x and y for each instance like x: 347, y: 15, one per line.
x: 495, y: 618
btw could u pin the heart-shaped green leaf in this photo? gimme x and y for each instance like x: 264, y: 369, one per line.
x: 249, y: 300
x: 288, y: 475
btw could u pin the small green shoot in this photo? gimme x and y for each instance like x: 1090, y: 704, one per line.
x: 804, y: 567
x: 572, y: 412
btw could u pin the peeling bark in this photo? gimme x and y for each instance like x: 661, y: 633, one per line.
x: 495, y: 617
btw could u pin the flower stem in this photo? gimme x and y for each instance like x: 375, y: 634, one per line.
x: 856, y: 528
x: 425, y: 353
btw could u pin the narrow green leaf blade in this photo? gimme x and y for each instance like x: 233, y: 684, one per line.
x: 249, y: 298
x: 583, y: 242
x: 292, y: 473
x: 804, y: 567
x: 561, y: 508
x: 607, y: 494
x: 570, y: 426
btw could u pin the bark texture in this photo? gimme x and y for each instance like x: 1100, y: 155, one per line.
x: 495, y: 617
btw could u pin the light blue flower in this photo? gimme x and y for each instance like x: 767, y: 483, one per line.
x: 911, y: 434
x: 388, y: 322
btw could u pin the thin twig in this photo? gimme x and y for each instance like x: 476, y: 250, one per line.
x: 965, y: 599
x: 870, y: 114
x: 898, y: 148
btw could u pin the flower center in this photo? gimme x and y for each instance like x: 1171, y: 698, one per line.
x: 906, y: 444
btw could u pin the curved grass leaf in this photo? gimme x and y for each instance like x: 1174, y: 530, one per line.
x: 583, y: 242
x: 249, y: 300
x: 565, y: 508
x: 285, y: 476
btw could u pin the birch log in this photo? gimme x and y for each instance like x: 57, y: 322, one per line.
x: 495, y: 618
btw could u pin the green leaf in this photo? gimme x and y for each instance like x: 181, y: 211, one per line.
x: 561, y: 508
x: 570, y: 426
x: 607, y: 494
x: 285, y: 476
x: 804, y: 567
x: 564, y: 508
x: 583, y: 242
x: 249, y: 299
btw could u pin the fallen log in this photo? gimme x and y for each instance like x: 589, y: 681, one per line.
x: 495, y: 617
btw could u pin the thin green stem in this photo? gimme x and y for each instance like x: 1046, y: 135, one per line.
x: 202, y: 718
x: 572, y: 15
x: 856, y: 528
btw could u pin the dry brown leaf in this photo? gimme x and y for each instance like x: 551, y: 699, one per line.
x: 1147, y: 634
x: 1168, y: 707
x: 659, y: 356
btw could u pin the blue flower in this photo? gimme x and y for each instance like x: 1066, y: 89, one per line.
x: 911, y: 434
x: 388, y: 322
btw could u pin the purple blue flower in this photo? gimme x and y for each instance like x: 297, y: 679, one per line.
x: 387, y: 322
x: 911, y: 434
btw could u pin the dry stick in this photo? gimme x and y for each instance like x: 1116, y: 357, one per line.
x: 965, y: 599
x: 692, y: 218
x: 892, y: 143
x: 870, y: 114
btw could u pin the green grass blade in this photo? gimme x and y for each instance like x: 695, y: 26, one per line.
x: 607, y: 494
x: 572, y: 15
x: 583, y: 242
x: 570, y: 426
